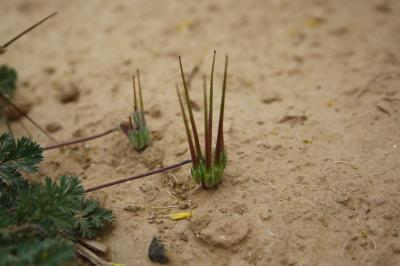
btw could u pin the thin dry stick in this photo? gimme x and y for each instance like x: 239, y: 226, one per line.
x: 113, y: 183
x: 6, y: 101
x: 91, y: 256
x: 27, y: 30
x: 56, y: 146
x: 389, y: 99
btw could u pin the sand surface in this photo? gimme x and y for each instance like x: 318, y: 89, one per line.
x: 312, y: 124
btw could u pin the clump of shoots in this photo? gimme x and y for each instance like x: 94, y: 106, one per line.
x: 135, y: 128
x: 206, y: 169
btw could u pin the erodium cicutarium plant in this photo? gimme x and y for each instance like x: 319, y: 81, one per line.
x: 135, y: 128
x: 208, y: 168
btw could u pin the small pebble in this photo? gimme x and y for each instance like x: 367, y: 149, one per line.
x: 68, y: 93
x: 53, y: 127
x: 342, y: 198
x: 265, y: 216
x: 155, y: 111
x: 396, y: 246
x: 157, y: 252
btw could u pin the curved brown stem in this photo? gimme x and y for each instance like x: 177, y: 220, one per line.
x: 6, y: 101
x: 113, y: 183
x: 56, y: 146
x: 27, y: 30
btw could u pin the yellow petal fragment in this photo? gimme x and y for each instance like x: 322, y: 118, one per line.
x: 180, y: 216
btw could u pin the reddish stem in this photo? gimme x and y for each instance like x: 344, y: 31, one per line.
x: 116, y: 182
x: 220, y: 136
x: 192, y: 122
x: 189, y: 136
x: 56, y: 146
x: 134, y: 95
x: 210, y: 116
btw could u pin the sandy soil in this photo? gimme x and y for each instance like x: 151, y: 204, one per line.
x: 312, y: 123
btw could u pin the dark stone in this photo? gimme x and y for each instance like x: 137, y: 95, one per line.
x: 157, y: 252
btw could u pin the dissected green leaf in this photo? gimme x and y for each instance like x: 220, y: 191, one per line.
x: 91, y: 218
x: 39, y: 221
x: 8, y: 80
x: 16, y: 157
x: 52, y: 204
x: 47, y: 252
x: 23, y: 155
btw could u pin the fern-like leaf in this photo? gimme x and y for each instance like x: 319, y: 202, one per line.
x: 39, y: 221
x: 23, y: 155
x: 16, y: 157
x: 92, y: 218
x: 47, y: 252
x: 52, y: 205
x: 8, y: 80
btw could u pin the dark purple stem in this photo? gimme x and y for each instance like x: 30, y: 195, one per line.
x: 116, y: 182
x: 56, y: 146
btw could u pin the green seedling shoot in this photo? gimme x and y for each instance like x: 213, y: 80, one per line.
x: 135, y: 128
x: 206, y: 169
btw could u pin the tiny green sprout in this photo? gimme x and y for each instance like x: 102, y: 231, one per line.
x: 205, y: 170
x: 135, y: 128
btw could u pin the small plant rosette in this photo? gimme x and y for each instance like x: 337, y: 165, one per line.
x: 212, y: 176
x: 136, y: 131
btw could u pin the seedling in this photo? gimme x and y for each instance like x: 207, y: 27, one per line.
x: 205, y: 170
x: 135, y: 128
